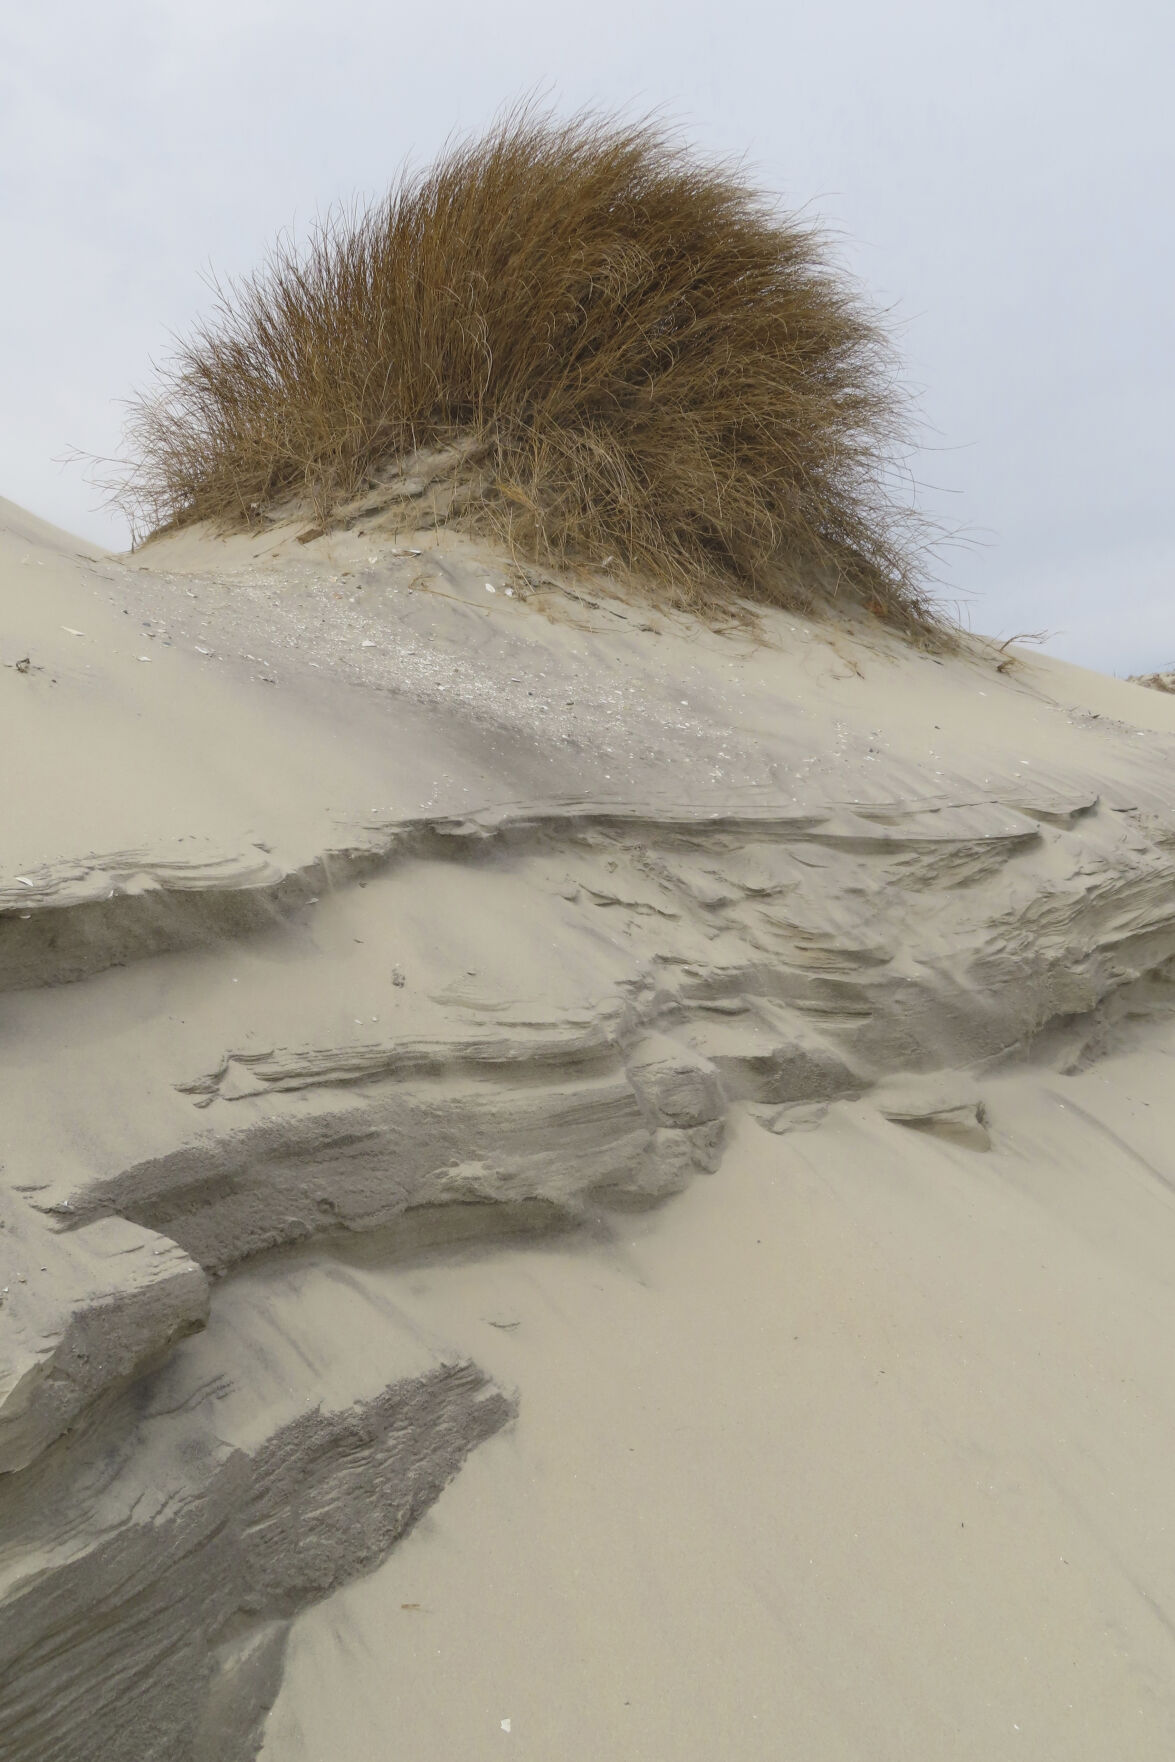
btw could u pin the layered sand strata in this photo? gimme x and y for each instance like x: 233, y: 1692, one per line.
x: 373, y: 889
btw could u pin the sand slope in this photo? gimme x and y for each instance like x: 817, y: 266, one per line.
x: 857, y: 1451
x: 400, y: 900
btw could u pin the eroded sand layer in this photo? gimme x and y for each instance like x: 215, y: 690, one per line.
x: 348, y: 909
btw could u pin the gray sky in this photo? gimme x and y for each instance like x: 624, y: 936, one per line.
x: 1001, y: 172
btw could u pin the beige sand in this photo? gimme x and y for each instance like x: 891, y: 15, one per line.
x: 672, y: 1136
x: 858, y: 1450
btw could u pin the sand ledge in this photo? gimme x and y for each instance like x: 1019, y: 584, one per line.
x: 348, y: 956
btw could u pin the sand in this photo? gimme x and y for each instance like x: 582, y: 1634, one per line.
x: 573, y: 1185
x: 853, y: 1452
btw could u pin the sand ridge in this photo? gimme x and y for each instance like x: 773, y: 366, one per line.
x: 375, y: 913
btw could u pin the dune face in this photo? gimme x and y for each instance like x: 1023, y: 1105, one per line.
x: 366, y: 898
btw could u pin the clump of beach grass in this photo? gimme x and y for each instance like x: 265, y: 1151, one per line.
x: 647, y: 360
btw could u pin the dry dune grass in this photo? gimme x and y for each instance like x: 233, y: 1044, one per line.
x: 643, y: 358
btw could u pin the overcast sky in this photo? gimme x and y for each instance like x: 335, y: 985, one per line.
x: 1001, y: 172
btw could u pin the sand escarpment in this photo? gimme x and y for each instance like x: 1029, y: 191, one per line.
x: 423, y: 914
x: 702, y: 960
x: 205, y: 1508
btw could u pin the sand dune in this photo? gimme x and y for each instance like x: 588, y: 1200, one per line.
x: 711, y: 1090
